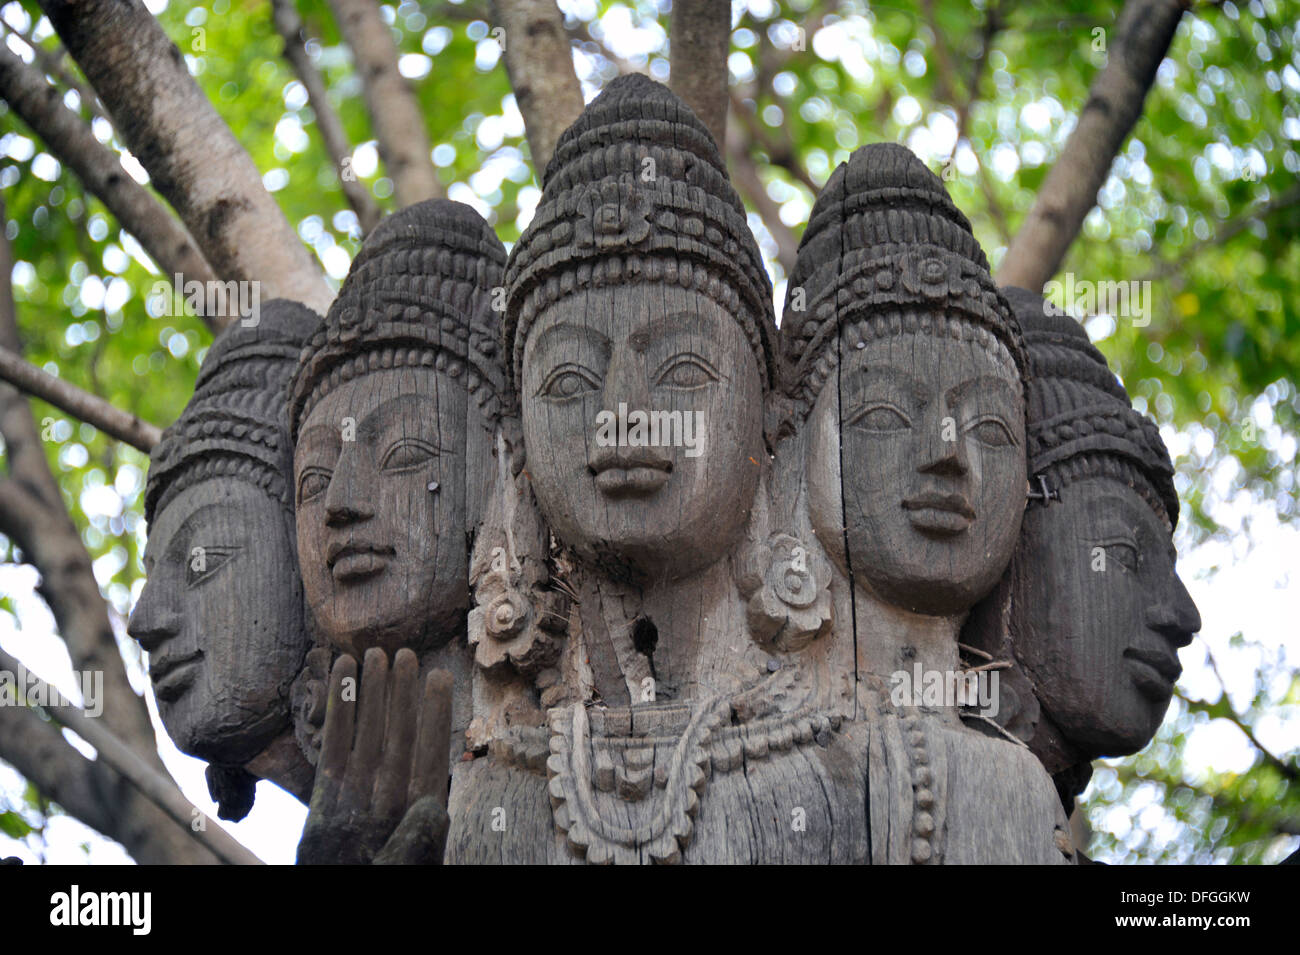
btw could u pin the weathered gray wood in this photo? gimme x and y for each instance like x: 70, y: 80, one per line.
x: 221, y: 614
x: 906, y: 374
x: 393, y: 410
x: 1098, y: 611
x: 666, y: 573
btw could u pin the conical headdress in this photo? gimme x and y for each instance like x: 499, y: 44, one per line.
x: 637, y: 190
x: 1079, y: 421
x: 886, y: 252
x: 420, y: 292
x: 235, y: 424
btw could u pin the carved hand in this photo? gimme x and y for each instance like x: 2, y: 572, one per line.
x: 381, y: 783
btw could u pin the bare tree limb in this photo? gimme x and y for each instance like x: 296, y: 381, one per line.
x: 290, y: 27
x: 91, y: 791
x: 699, y: 37
x: 539, y: 63
x: 394, y: 111
x: 779, y: 152
x: 750, y: 185
x: 1286, y: 769
x: 51, y: 63
x: 147, y: 781
x: 194, y: 159
x: 83, y: 405
x: 71, y: 141
x: 32, y: 514
x: 992, y: 23
x: 1143, y: 34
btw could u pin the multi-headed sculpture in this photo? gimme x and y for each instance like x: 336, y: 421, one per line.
x: 672, y: 578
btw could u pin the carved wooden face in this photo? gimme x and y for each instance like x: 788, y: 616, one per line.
x: 380, y: 476
x: 933, y: 483
x: 221, y: 618
x: 642, y: 417
x: 1101, y: 614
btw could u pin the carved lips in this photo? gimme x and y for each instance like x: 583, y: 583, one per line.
x: 939, y: 515
x: 636, y: 475
x: 356, y: 560
x: 1154, y: 672
x: 172, y: 675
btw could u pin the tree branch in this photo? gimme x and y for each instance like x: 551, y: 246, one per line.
x: 750, y: 185
x: 1144, y: 31
x: 1285, y: 768
x: 781, y: 154
x: 71, y: 141
x: 51, y: 63
x: 290, y: 27
x: 92, y: 792
x: 539, y: 64
x: 147, y: 781
x: 83, y: 405
x: 33, y: 515
x: 699, y: 39
x: 394, y: 110
x: 190, y: 153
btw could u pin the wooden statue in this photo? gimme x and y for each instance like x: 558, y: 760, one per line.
x: 1098, y: 612
x: 640, y: 334
x: 601, y: 567
x: 393, y: 411
x: 906, y: 369
x: 221, y: 614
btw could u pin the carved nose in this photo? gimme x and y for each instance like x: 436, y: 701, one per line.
x: 625, y: 382
x: 152, y: 623
x: 1175, y: 617
x: 943, y: 451
x: 347, y: 511
x: 348, y: 499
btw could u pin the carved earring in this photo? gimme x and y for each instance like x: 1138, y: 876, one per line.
x: 1045, y: 492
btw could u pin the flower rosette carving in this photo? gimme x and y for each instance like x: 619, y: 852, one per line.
x: 932, y: 276
x: 787, y: 583
x: 613, y: 215
x: 504, y: 628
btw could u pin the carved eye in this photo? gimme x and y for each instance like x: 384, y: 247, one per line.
x: 881, y: 419
x: 313, y: 482
x: 1123, y: 553
x: 568, y: 381
x: 991, y: 432
x: 685, y: 371
x: 408, y: 453
x: 202, y: 562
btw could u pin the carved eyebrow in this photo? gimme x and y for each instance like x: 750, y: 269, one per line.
x: 581, y: 334
x: 981, y: 383
x: 185, y: 528
x: 680, y: 321
x: 1116, y: 505
x: 901, y: 380
x: 374, y: 424
x: 323, y: 429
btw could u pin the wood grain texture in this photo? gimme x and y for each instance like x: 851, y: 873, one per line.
x: 673, y: 569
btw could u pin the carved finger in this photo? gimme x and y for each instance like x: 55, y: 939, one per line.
x: 336, y: 741
x: 368, y: 745
x: 433, y: 744
x: 420, y: 838
x: 399, y: 737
